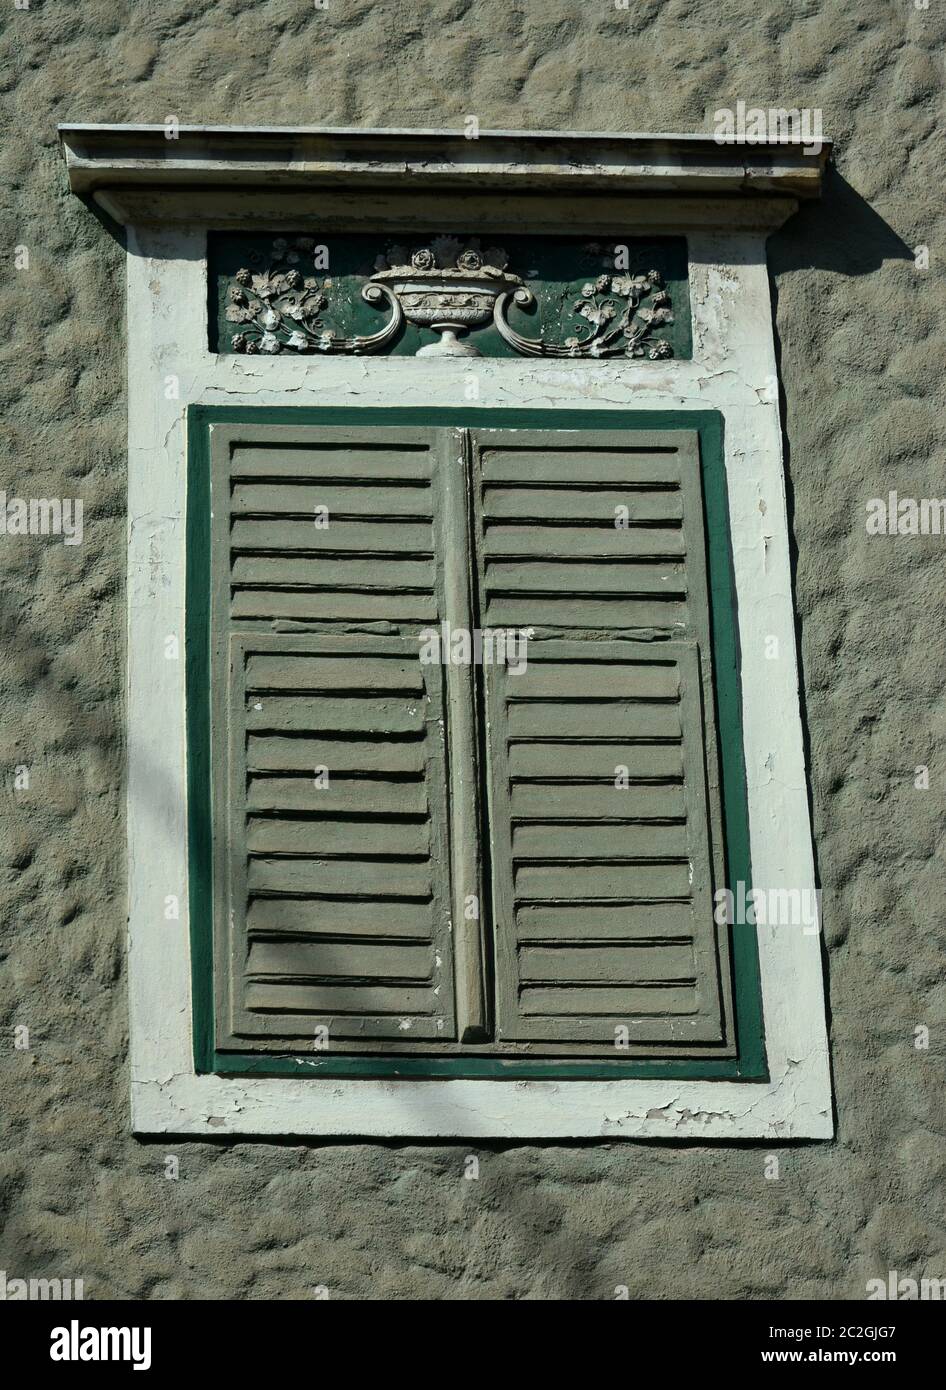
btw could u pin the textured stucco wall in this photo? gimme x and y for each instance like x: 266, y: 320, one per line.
x: 863, y: 358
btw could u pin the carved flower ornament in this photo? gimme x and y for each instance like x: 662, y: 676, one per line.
x: 634, y: 322
x: 278, y: 309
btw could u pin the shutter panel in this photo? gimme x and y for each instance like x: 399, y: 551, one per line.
x: 346, y: 916
x: 333, y: 891
x: 602, y: 893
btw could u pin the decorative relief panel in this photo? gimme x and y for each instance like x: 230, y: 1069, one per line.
x: 449, y: 296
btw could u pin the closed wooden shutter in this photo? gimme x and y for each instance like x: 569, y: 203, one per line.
x: 331, y: 829
x: 604, y: 811
x: 358, y: 790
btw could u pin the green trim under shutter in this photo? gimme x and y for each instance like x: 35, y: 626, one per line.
x: 749, y: 1063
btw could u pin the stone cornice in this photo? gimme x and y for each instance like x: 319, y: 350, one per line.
x: 138, y: 174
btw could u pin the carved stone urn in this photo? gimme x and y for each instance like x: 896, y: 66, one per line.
x: 449, y: 299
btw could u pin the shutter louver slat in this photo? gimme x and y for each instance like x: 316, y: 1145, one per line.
x: 570, y: 503
x: 348, y: 502
x: 365, y: 461
x: 362, y: 575
x: 342, y: 534
x: 365, y: 795
x: 541, y: 544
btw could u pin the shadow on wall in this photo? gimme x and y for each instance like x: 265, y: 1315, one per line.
x: 841, y: 232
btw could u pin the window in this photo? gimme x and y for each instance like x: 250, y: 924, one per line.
x: 235, y: 967
x: 418, y: 851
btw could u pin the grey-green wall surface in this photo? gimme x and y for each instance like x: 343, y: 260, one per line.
x: 863, y: 358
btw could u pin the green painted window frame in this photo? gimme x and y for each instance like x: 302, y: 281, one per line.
x: 749, y: 1064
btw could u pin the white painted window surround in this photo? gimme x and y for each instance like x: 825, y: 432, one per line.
x: 733, y: 371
